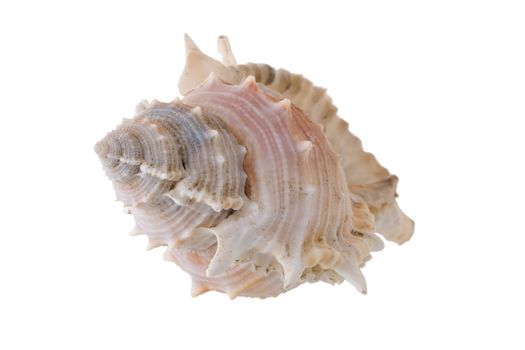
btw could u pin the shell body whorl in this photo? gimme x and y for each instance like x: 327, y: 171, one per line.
x: 248, y: 191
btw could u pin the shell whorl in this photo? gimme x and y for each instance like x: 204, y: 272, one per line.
x: 294, y: 176
x: 174, y: 150
x: 252, y: 191
x: 369, y: 182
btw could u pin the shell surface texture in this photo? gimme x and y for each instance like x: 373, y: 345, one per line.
x: 252, y: 181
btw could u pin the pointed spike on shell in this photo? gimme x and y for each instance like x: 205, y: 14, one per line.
x: 291, y: 276
x: 236, y: 203
x: 232, y: 203
x: 190, y: 44
x: 176, y: 101
x: 292, y: 270
x: 352, y: 273
x: 197, y: 111
x: 250, y: 83
x: 216, y: 207
x: 198, y: 288
x: 223, y: 258
x: 224, y: 48
x: 168, y: 256
x: 199, y: 66
x: 253, y: 268
x: 154, y: 243
x: 304, y: 146
x: 212, y: 133
x: 286, y: 104
x: 135, y: 231
x: 212, y: 81
x: 232, y: 294
x: 173, y: 195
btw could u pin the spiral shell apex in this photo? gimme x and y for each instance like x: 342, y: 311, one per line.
x: 252, y: 181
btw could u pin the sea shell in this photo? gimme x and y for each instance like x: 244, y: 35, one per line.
x: 252, y: 181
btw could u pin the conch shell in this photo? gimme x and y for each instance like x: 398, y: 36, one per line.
x: 252, y: 181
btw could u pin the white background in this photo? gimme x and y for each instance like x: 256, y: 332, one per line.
x: 434, y: 88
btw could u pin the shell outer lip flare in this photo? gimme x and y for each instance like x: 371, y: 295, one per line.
x: 252, y: 181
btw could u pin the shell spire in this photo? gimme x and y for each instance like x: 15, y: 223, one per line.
x: 251, y: 181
